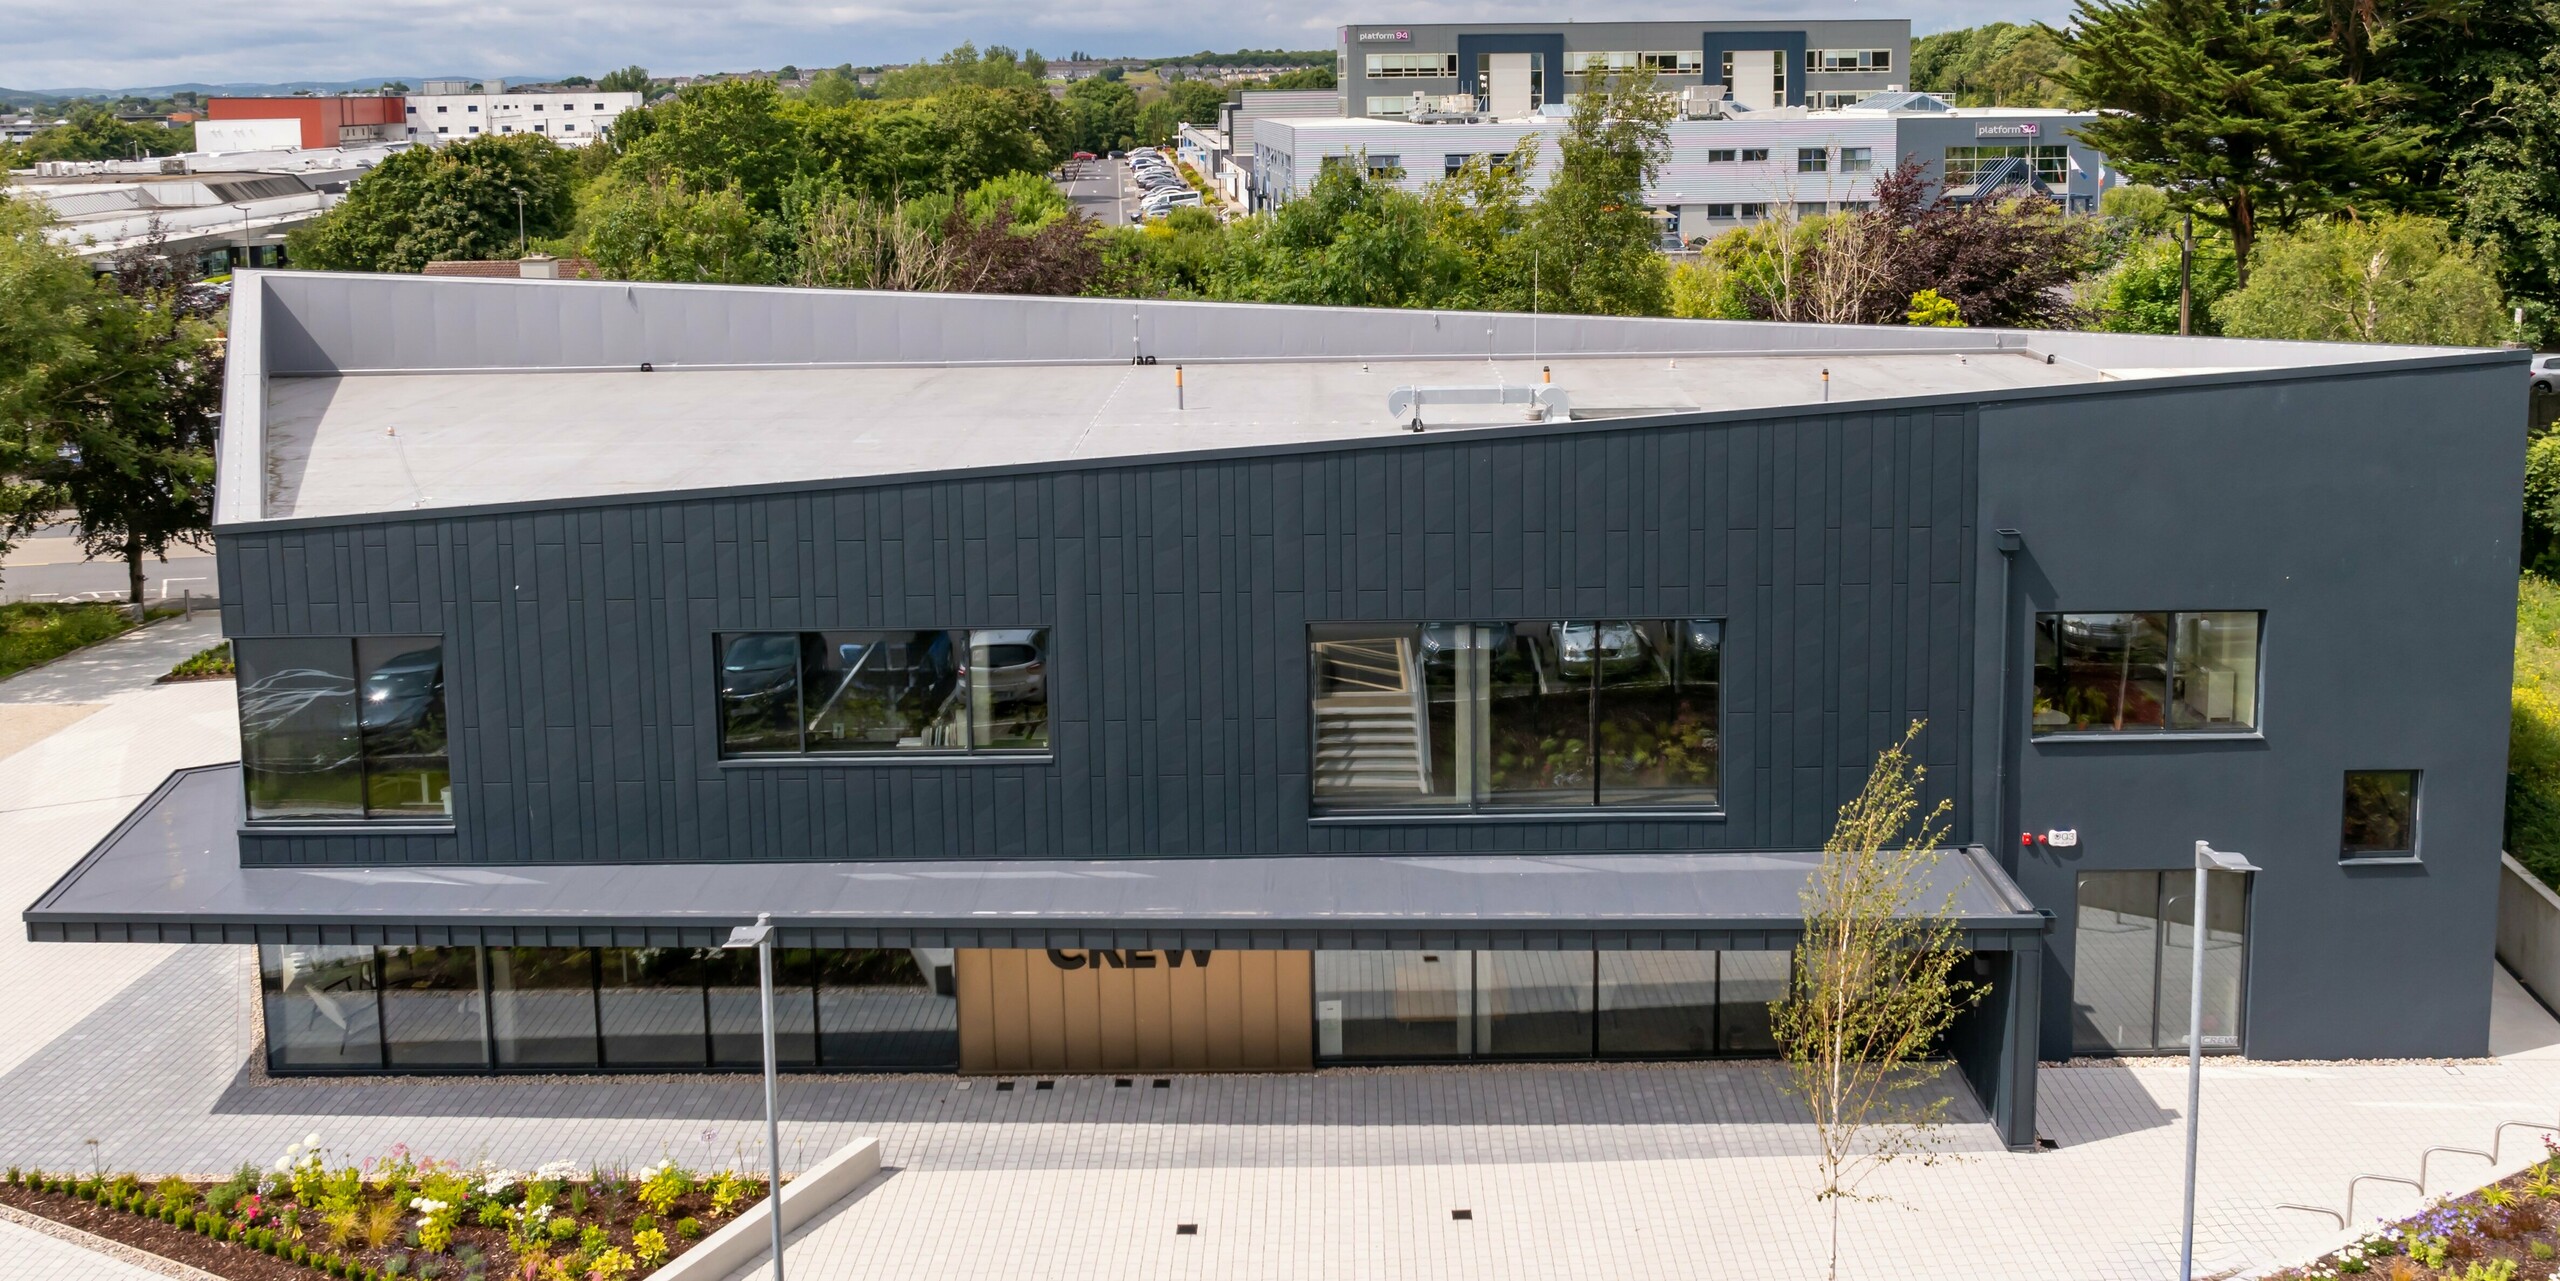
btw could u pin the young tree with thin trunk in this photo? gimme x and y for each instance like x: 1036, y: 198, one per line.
x: 1874, y: 985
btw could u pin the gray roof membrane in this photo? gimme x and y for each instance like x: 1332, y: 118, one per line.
x: 171, y: 872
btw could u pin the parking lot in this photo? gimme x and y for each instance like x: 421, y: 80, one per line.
x: 1104, y: 189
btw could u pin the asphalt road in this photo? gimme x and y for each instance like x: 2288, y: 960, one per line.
x: 49, y: 566
x: 1100, y: 190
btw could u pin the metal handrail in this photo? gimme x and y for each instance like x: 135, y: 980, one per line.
x: 2315, y: 1209
x: 2378, y: 1178
x: 2423, y: 1156
x: 2498, y: 1139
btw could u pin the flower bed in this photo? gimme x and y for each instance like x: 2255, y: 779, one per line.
x: 400, y: 1216
x: 2507, y: 1231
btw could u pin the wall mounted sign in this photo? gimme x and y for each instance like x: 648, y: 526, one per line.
x: 1130, y: 958
x: 2021, y: 129
x: 1387, y: 36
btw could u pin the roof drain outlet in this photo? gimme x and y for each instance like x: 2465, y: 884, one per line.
x: 1545, y: 400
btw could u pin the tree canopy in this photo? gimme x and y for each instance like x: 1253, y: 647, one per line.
x: 2400, y: 278
x: 1998, y: 64
x: 91, y: 131
x: 435, y: 204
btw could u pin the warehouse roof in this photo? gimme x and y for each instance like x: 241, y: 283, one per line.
x: 352, y: 395
x: 171, y: 872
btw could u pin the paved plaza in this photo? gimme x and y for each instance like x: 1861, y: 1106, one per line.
x: 142, y: 1057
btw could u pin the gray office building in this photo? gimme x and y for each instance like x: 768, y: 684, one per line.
x: 1088, y: 685
x: 1515, y: 68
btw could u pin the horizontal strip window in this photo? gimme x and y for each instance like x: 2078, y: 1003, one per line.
x: 1663, y: 62
x: 884, y: 692
x: 550, y: 1009
x: 1848, y: 59
x: 337, y: 728
x: 1389, y: 105
x: 1413, y: 66
x: 1834, y: 99
x: 1966, y: 166
x: 2147, y: 673
x: 1494, y: 717
x: 1389, y: 1007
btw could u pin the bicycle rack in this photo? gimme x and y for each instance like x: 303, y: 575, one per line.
x: 2378, y: 1178
x: 2497, y: 1145
x: 2423, y: 1157
x: 2498, y: 1138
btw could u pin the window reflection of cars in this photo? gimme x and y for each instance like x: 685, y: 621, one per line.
x: 1014, y: 665
x: 1615, y: 647
x: 403, y: 695
x: 757, y: 673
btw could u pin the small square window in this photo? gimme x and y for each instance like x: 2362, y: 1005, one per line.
x: 2381, y: 819
x: 441, y: 110
x: 1812, y: 160
x: 1857, y: 159
x: 1755, y: 153
x: 473, y: 108
x: 599, y: 106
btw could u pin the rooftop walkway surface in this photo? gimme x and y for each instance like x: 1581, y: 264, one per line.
x: 1699, y: 1170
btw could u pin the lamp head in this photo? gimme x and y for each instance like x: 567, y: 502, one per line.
x: 745, y: 936
x: 2212, y: 859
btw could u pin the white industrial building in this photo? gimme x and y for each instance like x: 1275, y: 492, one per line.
x: 225, y: 210
x: 1735, y: 168
x: 571, y: 118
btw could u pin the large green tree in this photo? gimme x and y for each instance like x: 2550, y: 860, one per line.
x: 109, y: 394
x: 1591, y: 237
x: 995, y: 67
x: 2400, y: 278
x: 631, y: 79
x: 665, y: 230
x: 2239, y: 109
x: 92, y: 132
x: 456, y: 202
x: 1102, y: 115
x: 1997, y: 64
x: 1194, y: 102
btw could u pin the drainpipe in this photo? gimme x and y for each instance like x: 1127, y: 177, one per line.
x: 2010, y: 544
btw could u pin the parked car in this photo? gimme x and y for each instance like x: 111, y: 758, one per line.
x: 1083, y: 155
x: 1015, y: 667
x: 2546, y: 373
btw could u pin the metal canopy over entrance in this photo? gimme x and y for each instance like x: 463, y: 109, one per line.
x: 171, y: 873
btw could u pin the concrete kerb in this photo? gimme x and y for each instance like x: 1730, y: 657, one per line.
x: 744, y: 1239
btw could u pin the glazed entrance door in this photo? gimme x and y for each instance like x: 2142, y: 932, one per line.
x: 2133, y: 954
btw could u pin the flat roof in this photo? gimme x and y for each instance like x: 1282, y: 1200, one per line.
x: 371, y: 442
x: 171, y: 873
x: 359, y: 395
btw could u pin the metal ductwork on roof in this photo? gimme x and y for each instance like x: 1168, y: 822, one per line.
x: 1546, y: 399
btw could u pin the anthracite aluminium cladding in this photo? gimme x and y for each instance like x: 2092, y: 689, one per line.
x: 579, y: 637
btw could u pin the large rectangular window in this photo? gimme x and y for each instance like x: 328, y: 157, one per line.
x: 1966, y: 166
x: 542, y: 1001
x: 2133, y: 958
x: 2147, y: 673
x: 1412, y: 66
x: 2381, y: 815
x: 1516, y: 715
x: 1410, y: 1006
x: 320, y: 1007
x: 339, y: 728
x: 1836, y: 60
x: 653, y: 1007
x: 431, y: 1007
x: 884, y: 692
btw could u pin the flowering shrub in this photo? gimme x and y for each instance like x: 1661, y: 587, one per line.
x: 661, y: 1184
x: 2480, y: 1236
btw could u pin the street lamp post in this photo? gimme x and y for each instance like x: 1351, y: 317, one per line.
x: 760, y: 937
x: 2208, y: 859
x: 519, y: 195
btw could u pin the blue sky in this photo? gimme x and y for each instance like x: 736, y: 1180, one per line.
x: 62, y: 43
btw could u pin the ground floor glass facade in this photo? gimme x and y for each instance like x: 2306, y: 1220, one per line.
x: 426, y: 1009
x: 1407, y: 1006
x: 2134, y: 962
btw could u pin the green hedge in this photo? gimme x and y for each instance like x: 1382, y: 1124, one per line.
x: 2533, y: 733
x: 33, y: 632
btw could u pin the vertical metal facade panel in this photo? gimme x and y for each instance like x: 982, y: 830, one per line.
x: 582, y: 669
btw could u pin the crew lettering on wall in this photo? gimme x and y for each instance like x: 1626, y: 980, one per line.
x: 1128, y: 959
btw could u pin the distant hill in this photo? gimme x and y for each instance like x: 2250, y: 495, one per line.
x: 284, y: 89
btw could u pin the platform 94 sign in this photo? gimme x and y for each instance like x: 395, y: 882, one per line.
x: 1130, y: 959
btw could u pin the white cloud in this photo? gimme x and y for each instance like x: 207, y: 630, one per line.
x: 61, y: 43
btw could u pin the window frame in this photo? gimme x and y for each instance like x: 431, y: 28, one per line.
x: 1813, y: 159
x: 362, y: 819
x: 1487, y: 809
x: 2416, y: 849
x: 2169, y: 668
x: 803, y: 756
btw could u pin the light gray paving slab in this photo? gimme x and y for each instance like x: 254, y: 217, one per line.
x: 127, y: 664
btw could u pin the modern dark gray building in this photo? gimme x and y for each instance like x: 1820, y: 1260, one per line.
x: 1514, y: 68
x: 1088, y: 685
